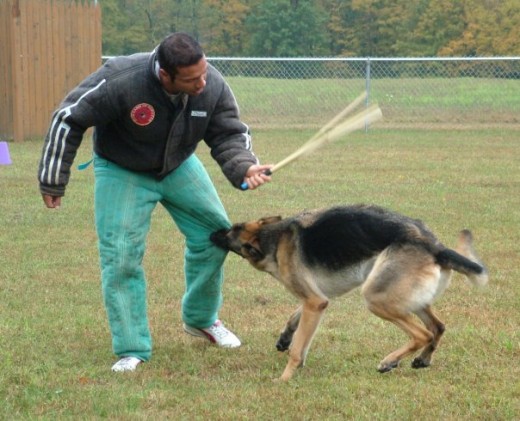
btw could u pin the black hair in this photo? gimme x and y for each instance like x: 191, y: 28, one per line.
x: 178, y: 50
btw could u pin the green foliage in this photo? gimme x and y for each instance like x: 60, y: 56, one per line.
x: 279, y: 29
x: 139, y: 25
x: 125, y: 28
x: 290, y: 28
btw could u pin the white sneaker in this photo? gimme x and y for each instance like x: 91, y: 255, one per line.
x: 216, y: 334
x: 126, y: 364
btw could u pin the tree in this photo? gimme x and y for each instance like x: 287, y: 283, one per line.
x: 287, y: 29
x: 436, y: 24
x: 130, y: 26
x: 342, y: 41
x: 290, y: 28
x: 491, y: 27
x: 122, y: 35
x: 370, y: 27
x: 223, y: 30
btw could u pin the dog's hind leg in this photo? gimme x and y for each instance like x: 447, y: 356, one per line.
x: 285, y: 339
x: 419, y: 338
x: 436, y: 327
x: 311, y: 314
x: 405, y: 280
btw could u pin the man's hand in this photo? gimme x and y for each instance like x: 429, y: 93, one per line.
x: 52, y: 202
x: 255, y: 176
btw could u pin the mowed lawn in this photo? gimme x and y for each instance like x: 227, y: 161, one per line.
x: 55, y: 354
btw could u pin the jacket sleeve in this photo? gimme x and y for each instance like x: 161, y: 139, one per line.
x: 230, y: 139
x: 81, y: 109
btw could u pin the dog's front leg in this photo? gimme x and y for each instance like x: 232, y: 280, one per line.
x: 285, y: 339
x: 311, y: 314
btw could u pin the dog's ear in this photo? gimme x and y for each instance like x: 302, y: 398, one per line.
x: 270, y: 220
x: 253, y: 253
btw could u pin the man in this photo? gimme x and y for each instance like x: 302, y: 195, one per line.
x: 149, y: 111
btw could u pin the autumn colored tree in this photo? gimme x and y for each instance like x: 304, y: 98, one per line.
x: 371, y: 27
x: 433, y: 25
x: 491, y: 27
x: 224, y: 32
x: 291, y: 28
x: 342, y: 32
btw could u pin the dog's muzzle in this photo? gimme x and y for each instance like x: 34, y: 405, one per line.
x: 219, y: 238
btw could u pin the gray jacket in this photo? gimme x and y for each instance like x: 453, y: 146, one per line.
x: 140, y: 128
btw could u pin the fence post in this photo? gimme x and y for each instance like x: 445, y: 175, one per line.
x: 367, y: 88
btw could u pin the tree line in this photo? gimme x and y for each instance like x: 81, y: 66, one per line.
x: 319, y: 28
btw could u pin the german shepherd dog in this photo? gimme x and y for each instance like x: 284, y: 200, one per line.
x: 319, y: 255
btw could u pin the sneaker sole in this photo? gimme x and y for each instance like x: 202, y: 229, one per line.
x: 198, y: 333
x: 193, y: 331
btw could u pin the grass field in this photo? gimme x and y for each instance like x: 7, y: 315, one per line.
x: 422, y: 102
x: 55, y: 355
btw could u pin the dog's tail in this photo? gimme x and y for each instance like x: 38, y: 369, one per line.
x: 464, y: 260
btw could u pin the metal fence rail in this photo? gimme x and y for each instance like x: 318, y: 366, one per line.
x: 412, y: 92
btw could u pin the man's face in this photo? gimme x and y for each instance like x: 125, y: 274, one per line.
x: 189, y: 79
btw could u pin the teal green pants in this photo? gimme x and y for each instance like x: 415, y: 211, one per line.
x: 124, y: 202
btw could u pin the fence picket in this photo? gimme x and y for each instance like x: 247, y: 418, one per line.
x: 48, y: 46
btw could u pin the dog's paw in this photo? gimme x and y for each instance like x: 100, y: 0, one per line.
x: 386, y: 367
x: 420, y: 363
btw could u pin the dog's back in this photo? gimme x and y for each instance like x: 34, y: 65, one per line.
x: 346, y: 235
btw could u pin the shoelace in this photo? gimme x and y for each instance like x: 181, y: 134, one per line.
x: 218, y: 330
x: 126, y: 362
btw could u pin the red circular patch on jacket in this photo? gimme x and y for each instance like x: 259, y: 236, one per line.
x: 142, y: 114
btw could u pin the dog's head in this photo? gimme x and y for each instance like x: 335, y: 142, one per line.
x: 243, y: 240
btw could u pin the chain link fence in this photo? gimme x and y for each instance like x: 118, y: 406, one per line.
x: 418, y: 92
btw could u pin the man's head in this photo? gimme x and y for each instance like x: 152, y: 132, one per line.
x: 182, y: 64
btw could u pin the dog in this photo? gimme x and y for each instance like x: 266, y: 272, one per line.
x: 318, y: 255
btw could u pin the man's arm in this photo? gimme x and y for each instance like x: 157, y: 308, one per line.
x: 68, y: 124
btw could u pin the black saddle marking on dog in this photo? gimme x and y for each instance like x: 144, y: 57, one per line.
x: 347, y: 235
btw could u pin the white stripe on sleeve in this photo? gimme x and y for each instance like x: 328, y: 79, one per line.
x: 55, y: 147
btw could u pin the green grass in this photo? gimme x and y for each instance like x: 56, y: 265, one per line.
x: 423, y: 102
x: 55, y: 353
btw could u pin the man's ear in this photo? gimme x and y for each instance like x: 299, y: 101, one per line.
x: 164, y: 74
